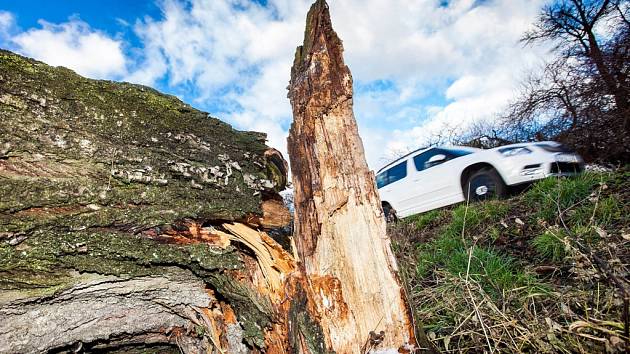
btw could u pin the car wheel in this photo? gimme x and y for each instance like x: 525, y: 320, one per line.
x: 483, y: 185
x: 389, y: 213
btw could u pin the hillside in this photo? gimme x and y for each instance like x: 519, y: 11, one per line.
x: 542, y: 272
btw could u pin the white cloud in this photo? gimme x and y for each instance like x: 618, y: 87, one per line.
x: 6, y: 21
x: 237, y: 55
x: 418, y: 66
x: 7, y: 25
x: 474, y: 46
x: 74, y: 45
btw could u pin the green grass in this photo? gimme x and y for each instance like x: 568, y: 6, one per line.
x: 492, y: 252
x: 552, y: 195
x: 422, y: 220
x: 550, y: 245
x: 495, y: 272
x: 578, y: 200
x: 603, y: 213
x: 451, y: 250
x: 577, y: 206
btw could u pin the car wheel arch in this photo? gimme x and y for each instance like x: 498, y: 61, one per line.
x: 470, y: 170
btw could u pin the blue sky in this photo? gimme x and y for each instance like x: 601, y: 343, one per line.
x: 420, y: 67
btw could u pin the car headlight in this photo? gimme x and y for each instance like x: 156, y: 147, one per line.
x: 513, y: 151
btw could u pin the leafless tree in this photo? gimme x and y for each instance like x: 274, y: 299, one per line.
x: 580, y: 97
x: 572, y: 25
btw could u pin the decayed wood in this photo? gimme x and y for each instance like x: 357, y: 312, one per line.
x: 275, y: 214
x: 340, y: 232
x: 274, y: 262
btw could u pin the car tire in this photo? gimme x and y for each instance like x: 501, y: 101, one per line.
x: 389, y: 213
x: 483, y: 185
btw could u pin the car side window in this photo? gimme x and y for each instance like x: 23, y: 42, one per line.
x: 397, y: 172
x: 381, y: 179
x: 454, y: 153
x: 420, y: 160
x: 392, y: 175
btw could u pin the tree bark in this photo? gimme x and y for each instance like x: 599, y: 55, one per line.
x: 340, y: 231
x: 130, y: 221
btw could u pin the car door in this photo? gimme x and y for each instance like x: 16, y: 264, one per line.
x: 421, y: 191
x: 442, y: 179
x: 435, y: 183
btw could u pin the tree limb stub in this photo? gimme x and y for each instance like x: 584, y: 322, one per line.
x: 340, y: 231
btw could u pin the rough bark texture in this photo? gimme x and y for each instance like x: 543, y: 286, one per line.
x: 131, y: 221
x: 115, y: 307
x: 340, y: 231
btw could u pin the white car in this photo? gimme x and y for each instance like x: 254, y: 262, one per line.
x: 434, y: 177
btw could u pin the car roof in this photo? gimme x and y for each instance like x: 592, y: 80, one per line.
x: 423, y: 149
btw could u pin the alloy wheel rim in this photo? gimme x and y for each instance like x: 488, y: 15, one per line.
x: 483, y: 187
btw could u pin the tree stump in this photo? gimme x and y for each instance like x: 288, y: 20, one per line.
x: 340, y: 230
x: 132, y: 222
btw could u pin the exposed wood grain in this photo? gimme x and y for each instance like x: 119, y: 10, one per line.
x: 340, y: 231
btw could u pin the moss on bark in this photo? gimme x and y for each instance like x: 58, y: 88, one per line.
x: 85, y: 165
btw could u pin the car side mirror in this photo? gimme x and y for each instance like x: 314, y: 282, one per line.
x: 435, y: 160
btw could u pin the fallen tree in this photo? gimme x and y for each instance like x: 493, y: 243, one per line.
x: 131, y: 221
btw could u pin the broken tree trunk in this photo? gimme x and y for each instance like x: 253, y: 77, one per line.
x: 340, y: 231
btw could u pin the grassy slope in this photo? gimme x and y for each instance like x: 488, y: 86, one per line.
x: 535, y: 273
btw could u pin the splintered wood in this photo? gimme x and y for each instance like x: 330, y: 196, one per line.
x: 275, y: 263
x: 340, y: 232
